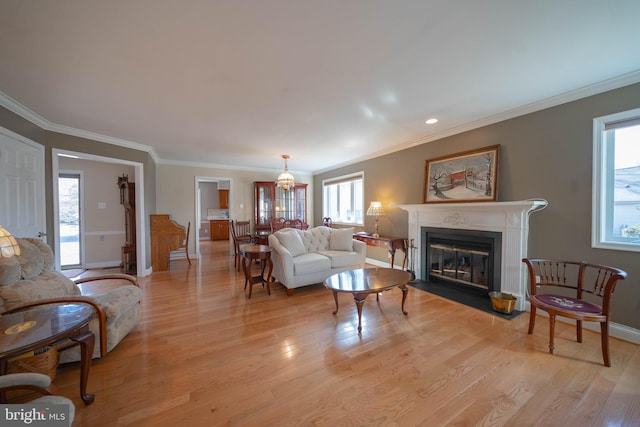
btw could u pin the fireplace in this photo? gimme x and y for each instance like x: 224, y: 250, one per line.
x: 509, y: 219
x: 469, y: 258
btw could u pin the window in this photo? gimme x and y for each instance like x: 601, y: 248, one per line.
x: 616, y: 181
x: 342, y: 199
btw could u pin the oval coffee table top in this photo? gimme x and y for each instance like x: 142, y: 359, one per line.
x: 367, y: 280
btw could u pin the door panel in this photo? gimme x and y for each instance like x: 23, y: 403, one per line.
x: 21, y: 185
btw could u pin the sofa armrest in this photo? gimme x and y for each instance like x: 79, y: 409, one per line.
x: 360, y: 247
x: 282, y: 261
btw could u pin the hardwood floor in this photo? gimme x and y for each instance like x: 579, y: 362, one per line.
x: 204, y: 355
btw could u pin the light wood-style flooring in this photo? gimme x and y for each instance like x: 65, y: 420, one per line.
x: 205, y: 355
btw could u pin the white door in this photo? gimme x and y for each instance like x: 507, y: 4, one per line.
x: 21, y: 185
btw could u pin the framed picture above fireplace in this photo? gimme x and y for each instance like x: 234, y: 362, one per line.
x: 470, y: 176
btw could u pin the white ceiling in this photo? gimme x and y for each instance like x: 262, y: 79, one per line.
x: 238, y: 83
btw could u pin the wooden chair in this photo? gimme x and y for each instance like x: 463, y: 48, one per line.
x: 35, y: 388
x: 590, y: 286
x: 243, y: 231
x: 276, y: 224
x: 185, y: 243
x: 237, y: 243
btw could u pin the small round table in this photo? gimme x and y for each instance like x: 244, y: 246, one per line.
x: 33, y: 328
x: 364, y: 281
x: 263, y: 254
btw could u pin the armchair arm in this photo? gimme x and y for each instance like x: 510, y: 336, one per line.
x: 24, y: 381
x: 114, y: 276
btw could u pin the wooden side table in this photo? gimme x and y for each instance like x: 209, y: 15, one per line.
x: 391, y: 243
x: 38, y: 327
x: 263, y: 254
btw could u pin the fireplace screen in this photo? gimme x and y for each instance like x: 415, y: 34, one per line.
x: 467, y: 257
x: 468, y: 266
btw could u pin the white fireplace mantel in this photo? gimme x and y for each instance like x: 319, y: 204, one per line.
x: 509, y: 218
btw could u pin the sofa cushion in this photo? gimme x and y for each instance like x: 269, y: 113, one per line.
x: 316, y: 239
x: 290, y: 239
x: 119, y: 301
x: 9, y: 270
x: 340, y: 259
x: 50, y: 284
x: 31, y: 259
x: 46, y: 252
x: 341, y: 239
x: 310, y: 263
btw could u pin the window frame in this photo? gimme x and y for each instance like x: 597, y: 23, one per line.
x: 341, y: 179
x: 603, y: 184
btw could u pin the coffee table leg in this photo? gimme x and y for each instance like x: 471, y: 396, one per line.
x: 87, y: 342
x: 359, y: 299
x: 404, y: 298
x: 335, y: 297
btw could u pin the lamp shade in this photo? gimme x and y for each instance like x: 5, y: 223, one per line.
x: 375, y: 209
x: 8, y: 245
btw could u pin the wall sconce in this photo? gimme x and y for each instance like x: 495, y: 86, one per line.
x: 8, y: 245
x: 375, y: 209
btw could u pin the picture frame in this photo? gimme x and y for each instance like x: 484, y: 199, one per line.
x: 469, y: 176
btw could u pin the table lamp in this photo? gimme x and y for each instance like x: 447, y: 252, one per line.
x: 375, y: 209
x: 8, y: 245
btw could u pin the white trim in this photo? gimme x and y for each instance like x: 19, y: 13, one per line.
x: 598, y: 207
x: 140, y: 209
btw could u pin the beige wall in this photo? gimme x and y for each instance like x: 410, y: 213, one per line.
x: 104, y: 229
x: 547, y: 154
x: 176, y: 191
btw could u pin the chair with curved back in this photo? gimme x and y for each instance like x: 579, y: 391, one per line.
x: 326, y: 221
x: 184, y: 248
x: 33, y: 382
x: 276, y: 224
x: 586, y: 297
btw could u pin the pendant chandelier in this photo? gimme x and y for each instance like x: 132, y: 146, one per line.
x: 285, y: 179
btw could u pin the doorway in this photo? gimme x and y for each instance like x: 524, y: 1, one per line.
x: 70, y: 219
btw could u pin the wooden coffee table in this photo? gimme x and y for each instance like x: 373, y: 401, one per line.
x: 364, y: 281
x: 34, y: 328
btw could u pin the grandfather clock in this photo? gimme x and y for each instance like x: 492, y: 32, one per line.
x: 128, y: 201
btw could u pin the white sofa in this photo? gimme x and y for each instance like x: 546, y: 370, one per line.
x: 305, y: 257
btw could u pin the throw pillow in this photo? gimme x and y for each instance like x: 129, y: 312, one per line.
x: 291, y: 240
x: 341, y: 239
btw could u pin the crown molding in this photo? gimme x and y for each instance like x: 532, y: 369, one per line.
x: 573, y: 95
x: 24, y: 112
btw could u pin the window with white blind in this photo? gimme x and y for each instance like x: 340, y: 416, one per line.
x: 342, y: 199
x: 616, y: 181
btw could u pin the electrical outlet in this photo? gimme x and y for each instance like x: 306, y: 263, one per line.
x: 102, y: 205
x: 102, y: 237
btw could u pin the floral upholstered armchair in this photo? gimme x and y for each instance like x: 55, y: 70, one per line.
x: 29, y: 279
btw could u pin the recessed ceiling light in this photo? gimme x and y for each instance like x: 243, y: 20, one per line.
x: 431, y: 121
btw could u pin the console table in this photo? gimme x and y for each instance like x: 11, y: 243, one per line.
x: 391, y: 243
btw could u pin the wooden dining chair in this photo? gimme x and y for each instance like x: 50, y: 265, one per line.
x: 243, y: 231
x: 237, y: 244
x: 587, y: 295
